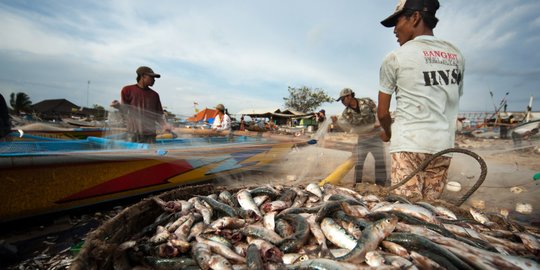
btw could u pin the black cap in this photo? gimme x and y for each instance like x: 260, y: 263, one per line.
x: 419, y: 5
x: 147, y: 71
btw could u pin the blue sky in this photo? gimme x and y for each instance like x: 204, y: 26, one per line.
x: 245, y: 54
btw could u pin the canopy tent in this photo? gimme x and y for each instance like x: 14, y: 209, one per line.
x: 272, y: 112
x: 204, y: 115
x: 278, y: 116
x: 257, y: 112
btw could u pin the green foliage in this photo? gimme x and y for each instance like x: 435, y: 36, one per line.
x: 101, y: 113
x: 306, y: 100
x: 20, y: 102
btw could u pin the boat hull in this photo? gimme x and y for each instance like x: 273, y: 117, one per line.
x: 38, y: 184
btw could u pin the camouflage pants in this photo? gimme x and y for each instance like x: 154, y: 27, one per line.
x: 427, y: 184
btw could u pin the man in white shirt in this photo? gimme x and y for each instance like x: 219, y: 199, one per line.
x: 222, y: 121
x: 426, y: 76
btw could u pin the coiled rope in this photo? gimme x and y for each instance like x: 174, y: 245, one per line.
x: 425, y: 163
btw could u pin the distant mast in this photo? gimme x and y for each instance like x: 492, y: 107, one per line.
x: 87, y: 94
x: 529, y: 109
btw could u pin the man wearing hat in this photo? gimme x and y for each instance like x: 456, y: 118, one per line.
x: 222, y: 121
x: 426, y: 76
x: 320, y: 117
x: 142, y: 107
x: 359, y: 117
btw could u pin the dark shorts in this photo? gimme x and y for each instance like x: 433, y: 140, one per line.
x: 428, y: 184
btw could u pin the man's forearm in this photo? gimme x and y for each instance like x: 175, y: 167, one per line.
x: 386, y: 121
x: 383, y: 113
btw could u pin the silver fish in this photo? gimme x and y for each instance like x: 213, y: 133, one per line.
x: 269, y: 220
x: 480, y: 217
x: 222, y: 249
x: 300, y: 199
x: 372, y: 236
x: 217, y: 238
x: 484, y: 259
x: 202, y: 254
x: 424, y: 262
x: 410, y: 209
x: 181, y: 245
x: 259, y: 200
x: 240, y: 248
x: 352, y: 229
x: 314, y: 189
x: 167, y: 250
x: 205, y: 211
x: 263, y: 233
x: 354, y: 210
x: 330, y: 189
x: 461, y: 231
x: 374, y: 258
x: 291, y: 258
x: 338, y: 252
x: 161, y: 235
x: 336, y: 234
x: 275, y: 206
x: 318, y: 233
x: 169, y: 206
x: 175, y: 224
x: 438, y: 210
x: 269, y: 252
x: 530, y: 242
x: 227, y: 223
x: 325, y: 264
x: 218, y: 262
x: 182, y: 232
x: 398, y: 261
x: 511, y: 246
x: 246, y: 202
x: 416, y: 229
x: 395, y: 249
x: 196, y: 229
x: 254, y: 260
x: 226, y: 197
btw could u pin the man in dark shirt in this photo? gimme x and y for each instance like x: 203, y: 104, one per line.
x: 142, y: 107
x: 5, y: 123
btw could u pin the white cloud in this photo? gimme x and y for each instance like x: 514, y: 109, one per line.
x: 247, y: 52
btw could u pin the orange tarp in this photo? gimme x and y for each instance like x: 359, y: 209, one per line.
x: 203, y: 115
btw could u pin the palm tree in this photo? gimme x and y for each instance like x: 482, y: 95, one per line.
x: 20, y: 102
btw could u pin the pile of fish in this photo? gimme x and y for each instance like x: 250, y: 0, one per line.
x: 330, y: 227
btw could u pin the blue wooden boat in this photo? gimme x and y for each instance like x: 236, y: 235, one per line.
x: 46, y: 176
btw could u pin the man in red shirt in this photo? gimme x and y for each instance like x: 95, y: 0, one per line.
x: 142, y: 107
